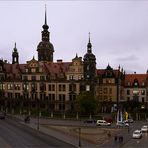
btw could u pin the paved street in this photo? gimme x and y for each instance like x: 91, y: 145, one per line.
x: 128, y: 141
x: 67, y: 131
x: 14, y: 134
x: 137, y: 143
x: 143, y: 142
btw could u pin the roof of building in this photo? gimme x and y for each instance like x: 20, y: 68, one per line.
x: 130, y: 79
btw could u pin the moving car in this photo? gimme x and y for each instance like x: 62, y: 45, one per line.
x: 122, y: 124
x: 144, y: 128
x: 129, y: 121
x: 2, y: 115
x: 103, y: 122
x: 137, y: 134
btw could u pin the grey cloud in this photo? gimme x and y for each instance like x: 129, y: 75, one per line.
x: 129, y: 58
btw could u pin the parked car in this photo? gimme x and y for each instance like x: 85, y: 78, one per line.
x: 144, y: 128
x: 122, y: 124
x: 129, y: 121
x: 2, y: 115
x: 103, y: 122
x: 137, y: 134
x: 108, y: 119
x: 90, y: 121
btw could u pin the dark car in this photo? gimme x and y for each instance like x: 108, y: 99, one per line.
x: 90, y: 121
x: 2, y: 115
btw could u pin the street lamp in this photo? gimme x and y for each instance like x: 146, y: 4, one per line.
x: 38, y: 108
x: 79, y: 137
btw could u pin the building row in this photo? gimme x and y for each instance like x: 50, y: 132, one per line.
x: 57, y: 84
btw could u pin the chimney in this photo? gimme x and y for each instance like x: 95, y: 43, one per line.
x: 59, y: 61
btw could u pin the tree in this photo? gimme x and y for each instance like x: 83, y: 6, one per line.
x: 86, y: 103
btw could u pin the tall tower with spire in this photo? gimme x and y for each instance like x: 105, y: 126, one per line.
x: 15, y: 55
x: 45, y: 48
x: 89, y: 63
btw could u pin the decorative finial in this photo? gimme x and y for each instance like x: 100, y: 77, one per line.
x: 89, y: 46
x: 119, y: 67
x: 89, y: 37
x: 76, y: 55
x: 15, y: 49
x: 45, y: 16
x: 124, y: 72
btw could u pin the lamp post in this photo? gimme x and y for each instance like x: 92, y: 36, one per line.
x: 38, y: 119
x: 79, y: 137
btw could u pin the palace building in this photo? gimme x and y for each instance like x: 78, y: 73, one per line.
x: 55, y: 85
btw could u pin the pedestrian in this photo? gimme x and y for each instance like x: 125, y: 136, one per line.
x: 128, y: 130
x: 109, y: 134
x: 120, y: 138
x: 116, y: 138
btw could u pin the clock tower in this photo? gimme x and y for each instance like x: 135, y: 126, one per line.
x: 89, y: 63
x: 45, y: 48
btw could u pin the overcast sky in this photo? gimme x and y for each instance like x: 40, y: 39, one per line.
x: 119, y: 30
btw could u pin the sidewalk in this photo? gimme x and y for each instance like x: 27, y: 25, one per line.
x: 90, y: 136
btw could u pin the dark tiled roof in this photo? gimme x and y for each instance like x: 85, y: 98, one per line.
x: 102, y: 72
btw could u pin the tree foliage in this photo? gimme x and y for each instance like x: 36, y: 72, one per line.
x: 86, y: 103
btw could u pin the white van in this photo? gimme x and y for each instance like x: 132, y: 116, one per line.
x: 103, y: 122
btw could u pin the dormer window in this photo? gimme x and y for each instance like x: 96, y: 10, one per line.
x: 128, y: 83
x: 26, y: 70
x: 87, y: 87
x: 135, y: 83
x: 88, y: 76
x: 33, y: 70
x: 88, y: 67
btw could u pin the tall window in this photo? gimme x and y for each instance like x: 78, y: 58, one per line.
x: 105, y: 90
x: 110, y: 90
x: 10, y: 86
x: 61, y: 97
x: 51, y: 97
x: 51, y: 87
x: 128, y: 92
x: 42, y: 78
x: 2, y: 86
x: 142, y: 92
x: 17, y: 86
x: 62, y: 87
x: 33, y: 87
x: 33, y: 78
x: 72, y: 87
x: 25, y: 78
x: 26, y: 86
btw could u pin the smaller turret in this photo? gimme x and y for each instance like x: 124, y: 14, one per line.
x: 15, y: 55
